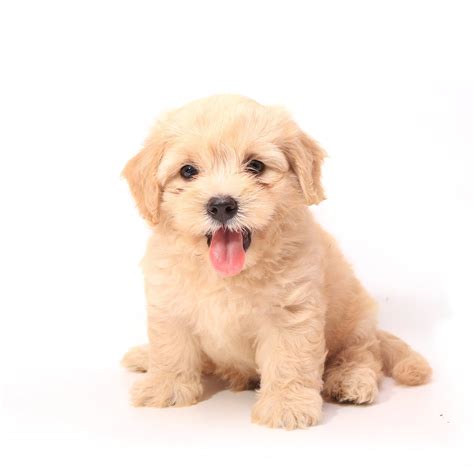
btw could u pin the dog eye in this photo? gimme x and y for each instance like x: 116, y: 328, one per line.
x: 188, y: 172
x: 256, y: 167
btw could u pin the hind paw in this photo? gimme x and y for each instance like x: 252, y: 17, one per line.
x: 136, y: 359
x: 357, y: 386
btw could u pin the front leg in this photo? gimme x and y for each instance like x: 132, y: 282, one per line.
x: 290, y: 357
x: 174, y: 369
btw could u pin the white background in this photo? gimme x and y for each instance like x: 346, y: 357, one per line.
x: 386, y: 87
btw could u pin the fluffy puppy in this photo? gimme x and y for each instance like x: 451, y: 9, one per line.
x: 240, y: 280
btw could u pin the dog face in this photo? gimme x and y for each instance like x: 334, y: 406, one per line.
x: 223, y: 170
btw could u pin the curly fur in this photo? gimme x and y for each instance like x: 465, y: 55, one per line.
x: 296, y: 319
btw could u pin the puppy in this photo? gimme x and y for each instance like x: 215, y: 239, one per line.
x: 240, y: 280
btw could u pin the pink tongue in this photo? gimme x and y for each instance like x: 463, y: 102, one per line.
x: 227, y: 252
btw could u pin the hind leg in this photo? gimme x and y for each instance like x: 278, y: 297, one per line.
x: 352, y: 375
x: 136, y: 360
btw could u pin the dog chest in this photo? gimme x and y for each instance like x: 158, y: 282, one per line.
x: 227, y: 326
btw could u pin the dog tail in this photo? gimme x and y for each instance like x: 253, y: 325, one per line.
x: 401, y: 362
x: 136, y: 359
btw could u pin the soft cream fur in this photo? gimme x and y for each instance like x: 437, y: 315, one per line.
x: 296, y: 319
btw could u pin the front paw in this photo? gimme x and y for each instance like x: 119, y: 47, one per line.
x: 161, y: 391
x: 296, y: 408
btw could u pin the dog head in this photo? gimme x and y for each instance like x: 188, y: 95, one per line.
x: 224, y: 170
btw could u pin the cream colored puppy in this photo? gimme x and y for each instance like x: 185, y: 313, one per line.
x: 240, y: 280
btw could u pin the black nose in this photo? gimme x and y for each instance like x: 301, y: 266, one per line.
x: 222, y: 208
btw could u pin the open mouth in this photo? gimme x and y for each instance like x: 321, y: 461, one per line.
x: 227, y: 250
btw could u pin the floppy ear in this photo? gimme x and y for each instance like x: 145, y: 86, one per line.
x: 305, y: 157
x: 140, y: 173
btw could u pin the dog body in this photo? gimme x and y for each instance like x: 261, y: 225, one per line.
x: 228, y: 316
x: 240, y: 280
